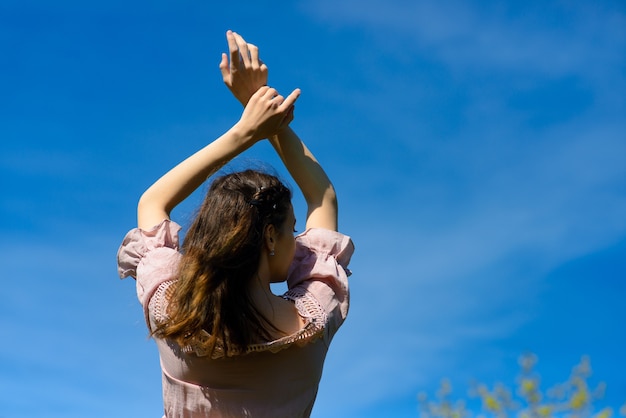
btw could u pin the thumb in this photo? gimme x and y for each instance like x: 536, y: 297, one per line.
x: 288, y: 118
x: 290, y: 100
x: 224, y: 66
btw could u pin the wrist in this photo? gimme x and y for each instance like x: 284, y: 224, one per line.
x: 284, y: 131
x: 243, y: 99
x: 244, y: 132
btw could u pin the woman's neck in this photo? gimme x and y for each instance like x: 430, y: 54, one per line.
x: 281, y: 313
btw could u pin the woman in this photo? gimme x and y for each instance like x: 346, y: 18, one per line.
x: 228, y: 346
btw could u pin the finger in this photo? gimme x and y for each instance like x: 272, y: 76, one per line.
x: 260, y: 92
x: 255, y: 62
x: 269, y: 92
x: 244, y: 53
x: 232, y: 49
x: 291, y: 99
x: 277, y: 101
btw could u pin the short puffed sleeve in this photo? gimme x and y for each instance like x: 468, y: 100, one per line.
x: 320, y: 267
x: 150, y: 256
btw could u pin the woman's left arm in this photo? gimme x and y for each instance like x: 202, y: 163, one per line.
x: 265, y: 113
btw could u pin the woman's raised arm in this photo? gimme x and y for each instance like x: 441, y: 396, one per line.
x: 243, y: 75
x: 265, y: 114
x: 311, y: 178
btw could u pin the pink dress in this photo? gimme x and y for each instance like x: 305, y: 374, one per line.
x: 275, y: 379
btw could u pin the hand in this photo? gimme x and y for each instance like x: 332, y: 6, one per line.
x: 246, y: 72
x: 267, y: 113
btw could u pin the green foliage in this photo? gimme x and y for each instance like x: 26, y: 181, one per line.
x: 572, y: 399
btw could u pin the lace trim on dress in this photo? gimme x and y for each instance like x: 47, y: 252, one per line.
x: 307, y: 306
x: 159, y: 301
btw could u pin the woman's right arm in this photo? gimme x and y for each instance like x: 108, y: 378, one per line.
x: 243, y: 73
x: 311, y: 178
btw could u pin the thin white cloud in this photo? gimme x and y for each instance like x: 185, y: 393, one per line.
x: 470, y: 36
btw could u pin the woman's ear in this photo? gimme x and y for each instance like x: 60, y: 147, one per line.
x: 270, y: 238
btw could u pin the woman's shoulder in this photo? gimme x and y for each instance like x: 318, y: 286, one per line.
x: 327, y: 241
x: 151, y: 257
x: 139, y: 243
x: 321, y: 254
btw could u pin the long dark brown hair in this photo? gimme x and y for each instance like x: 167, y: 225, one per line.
x: 221, y: 254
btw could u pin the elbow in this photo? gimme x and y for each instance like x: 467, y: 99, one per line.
x: 322, y: 212
x: 150, y: 212
x: 326, y: 197
x: 152, y: 200
x: 330, y: 198
x: 146, y: 201
x: 143, y: 203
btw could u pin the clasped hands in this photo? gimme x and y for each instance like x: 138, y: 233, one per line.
x: 265, y: 111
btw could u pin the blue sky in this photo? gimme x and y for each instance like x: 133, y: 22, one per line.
x: 478, y: 149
